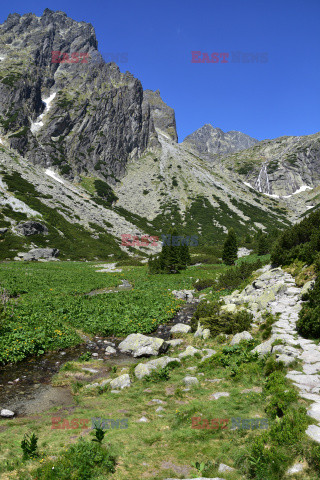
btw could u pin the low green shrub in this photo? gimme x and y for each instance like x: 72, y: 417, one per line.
x: 262, y: 461
x: 204, y: 283
x: 82, y: 460
x: 308, y: 324
x: 290, y: 429
x: 29, y: 446
x: 218, y: 321
x: 160, y: 375
x: 272, y: 366
x: 280, y: 402
x: 234, y: 276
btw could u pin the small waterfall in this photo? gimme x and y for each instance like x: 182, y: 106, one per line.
x: 262, y: 184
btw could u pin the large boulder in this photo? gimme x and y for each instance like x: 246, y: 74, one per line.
x: 241, y: 336
x: 144, y: 369
x: 6, y: 413
x: 189, y: 352
x: 190, y: 381
x: 121, y: 382
x: 31, y: 228
x: 40, y: 253
x: 183, y: 294
x: 263, y: 348
x: 140, y: 345
x: 180, y: 328
x: 306, y: 287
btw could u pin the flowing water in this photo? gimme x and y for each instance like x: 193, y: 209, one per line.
x: 25, y: 387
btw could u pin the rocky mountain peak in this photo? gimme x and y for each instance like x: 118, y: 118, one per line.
x: 212, y: 140
x: 82, y: 117
x: 163, y: 116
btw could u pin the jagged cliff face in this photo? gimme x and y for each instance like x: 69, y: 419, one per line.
x: 210, y: 141
x: 163, y: 116
x: 281, y: 167
x: 80, y: 118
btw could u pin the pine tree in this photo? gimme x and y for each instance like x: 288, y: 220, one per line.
x: 230, y: 248
x: 263, y: 245
x: 173, y: 256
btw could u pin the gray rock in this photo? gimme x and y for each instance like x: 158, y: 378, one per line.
x: 296, y: 468
x: 180, y: 328
x: 92, y: 385
x: 31, y: 228
x: 144, y: 369
x: 208, y: 353
x: 263, y: 348
x: 241, y: 336
x: 183, y: 294
x: 3, y: 231
x: 190, y: 381
x: 110, y: 350
x: 143, y: 420
x: 91, y: 370
x: 314, y: 411
x: 121, y: 382
x: 218, y: 395
x: 285, y: 359
x: 40, y: 253
x: 225, y: 468
x: 6, y: 413
x: 175, y: 342
x: 306, y: 287
x: 140, y: 345
x: 189, y: 351
x: 313, y: 431
x: 162, y: 115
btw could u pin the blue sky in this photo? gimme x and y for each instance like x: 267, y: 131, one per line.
x: 265, y: 100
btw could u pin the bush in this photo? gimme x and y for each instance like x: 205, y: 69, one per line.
x: 204, y: 283
x: 290, y: 429
x: 263, y: 462
x: 234, y: 276
x: 272, y: 366
x: 83, y: 460
x: 160, y: 375
x: 218, y: 321
x: 280, y: 402
x: 29, y: 446
x: 172, y: 257
x: 105, y: 192
x: 308, y: 324
x: 230, y: 248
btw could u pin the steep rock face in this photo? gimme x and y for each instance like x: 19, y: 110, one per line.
x: 79, y: 117
x: 213, y: 141
x: 163, y: 116
x: 283, y: 166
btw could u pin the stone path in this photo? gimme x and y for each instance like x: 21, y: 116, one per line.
x: 276, y: 291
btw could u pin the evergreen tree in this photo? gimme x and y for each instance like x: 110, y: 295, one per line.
x: 174, y: 255
x: 263, y: 245
x: 230, y: 248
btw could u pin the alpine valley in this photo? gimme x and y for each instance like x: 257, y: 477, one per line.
x: 89, y: 155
